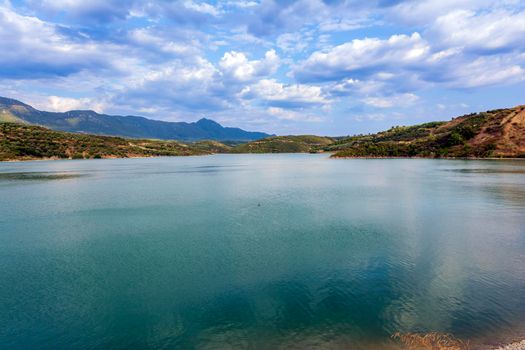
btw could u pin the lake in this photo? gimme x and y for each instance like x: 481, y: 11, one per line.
x: 258, y: 251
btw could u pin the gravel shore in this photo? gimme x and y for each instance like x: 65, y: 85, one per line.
x: 514, y: 346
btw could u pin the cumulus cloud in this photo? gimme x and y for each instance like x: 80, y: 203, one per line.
x: 487, y: 32
x: 196, y: 84
x: 363, y: 56
x: 482, y: 71
x: 236, y: 66
x: 280, y: 95
x: 32, y: 48
x: 64, y: 104
x: 424, y: 12
x: 166, y: 44
x: 195, y: 87
x: 254, y: 59
x: 403, y: 60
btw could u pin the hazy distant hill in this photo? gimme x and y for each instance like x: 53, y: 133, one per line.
x: 497, y: 133
x: 91, y: 122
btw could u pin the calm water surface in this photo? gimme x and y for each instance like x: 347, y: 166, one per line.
x: 258, y: 251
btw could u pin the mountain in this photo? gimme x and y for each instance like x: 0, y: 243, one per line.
x: 126, y: 126
x: 496, y: 133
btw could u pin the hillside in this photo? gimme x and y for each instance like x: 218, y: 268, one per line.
x: 90, y: 122
x: 497, y: 133
x: 285, y: 144
x: 210, y: 146
x: 26, y: 142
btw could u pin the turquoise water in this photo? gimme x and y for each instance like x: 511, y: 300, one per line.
x: 258, y: 251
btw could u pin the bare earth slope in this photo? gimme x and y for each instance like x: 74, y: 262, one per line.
x: 497, y: 133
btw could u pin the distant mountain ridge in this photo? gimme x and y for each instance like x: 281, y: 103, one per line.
x: 91, y: 122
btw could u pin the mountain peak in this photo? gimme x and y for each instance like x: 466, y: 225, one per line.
x: 91, y: 122
x: 208, y: 122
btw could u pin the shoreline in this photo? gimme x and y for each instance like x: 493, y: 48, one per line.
x: 446, y: 158
x: 209, y: 154
x: 103, y: 158
x: 518, y: 345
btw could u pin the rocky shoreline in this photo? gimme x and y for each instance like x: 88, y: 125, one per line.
x: 520, y: 345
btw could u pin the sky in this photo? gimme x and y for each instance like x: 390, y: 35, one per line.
x: 326, y: 67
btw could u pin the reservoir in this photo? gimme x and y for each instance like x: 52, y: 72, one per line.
x: 259, y: 251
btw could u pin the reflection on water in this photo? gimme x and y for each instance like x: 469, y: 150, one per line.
x: 488, y: 171
x: 260, y: 251
x: 34, y: 176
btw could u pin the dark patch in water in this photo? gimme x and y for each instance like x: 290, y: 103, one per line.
x: 487, y: 171
x: 198, y: 170
x: 38, y: 176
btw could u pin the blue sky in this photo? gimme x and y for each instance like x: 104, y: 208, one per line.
x: 332, y: 67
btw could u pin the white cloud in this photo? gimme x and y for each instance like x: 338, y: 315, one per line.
x: 31, y: 48
x: 342, y: 24
x: 423, y: 12
x: 409, y: 61
x: 486, y: 31
x: 293, y: 42
x: 235, y: 65
x: 371, y: 117
x: 151, y: 40
x: 91, y: 11
x: 287, y: 114
x: 201, y: 7
x: 167, y: 62
x: 401, y: 100
x: 361, y: 54
x: 241, y: 3
x: 176, y: 86
x: 64, y: 104
x: 281, y: 95
x: 482, y: 71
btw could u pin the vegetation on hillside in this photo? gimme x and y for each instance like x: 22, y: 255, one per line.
x: 497, y: 133
x: 285, y: 144
x: 90, y: 122
x: 24, y: 142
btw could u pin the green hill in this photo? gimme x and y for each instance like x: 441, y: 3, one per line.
x: 211, y: 146
x: 25, y: 142
x: 285, y: 144
x: 497, y: 133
